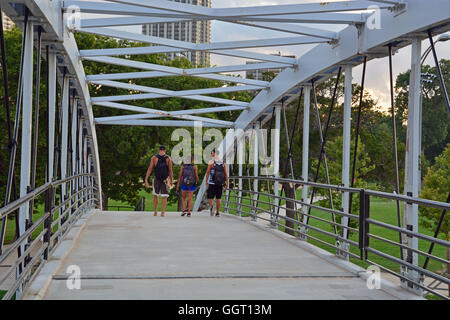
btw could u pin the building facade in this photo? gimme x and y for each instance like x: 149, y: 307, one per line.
x: 8, y: 24
x: 193, y: 31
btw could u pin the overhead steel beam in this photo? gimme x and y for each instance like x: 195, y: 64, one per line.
x: 242, y: 12
x: 170, y: 93
x: 134, y: 11
x: 165, y: 49
x: 132, y: 97
x: 163, y: 114
x: 290, y: 28
x: 152, y: 113
x: 159, y: 74
x: 285, y: 41
x: 184, y: 72
x: 163, y: 123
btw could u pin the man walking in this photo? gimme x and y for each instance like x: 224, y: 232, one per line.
x: 216, y: 177
x: 162, y: 164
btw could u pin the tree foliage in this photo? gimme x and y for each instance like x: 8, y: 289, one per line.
x: 437, y: 187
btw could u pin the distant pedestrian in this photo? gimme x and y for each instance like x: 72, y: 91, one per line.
x: 216, y: 178
x: 162, y: 164
x: 187, y: 182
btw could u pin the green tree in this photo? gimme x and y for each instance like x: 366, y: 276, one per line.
x: 437, y: 187
x: 334, y: 159
x: 435, y: 118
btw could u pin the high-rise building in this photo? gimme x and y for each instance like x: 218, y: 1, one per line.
x: 8, y: 24
x: 192, y: 31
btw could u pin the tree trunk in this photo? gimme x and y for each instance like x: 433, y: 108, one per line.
x: 104, y: 201
x: 290, y: 208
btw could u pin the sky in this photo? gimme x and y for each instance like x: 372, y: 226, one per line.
x: 377, y: 76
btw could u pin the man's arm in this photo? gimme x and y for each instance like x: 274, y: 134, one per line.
x: 149, y: 172
x: 208, y: 171
x: 169, y: 164
x: 179, y: 178
x: 226, y: 175
x: 196, y: 174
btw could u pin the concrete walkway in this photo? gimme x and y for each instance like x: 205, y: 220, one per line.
x: 139, y: 256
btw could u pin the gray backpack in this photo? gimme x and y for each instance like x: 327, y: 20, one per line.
x: 188, y: 178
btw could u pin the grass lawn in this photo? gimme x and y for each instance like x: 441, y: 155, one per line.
x: 112, y: 204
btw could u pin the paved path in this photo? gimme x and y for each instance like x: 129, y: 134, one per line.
x: 139, y: 256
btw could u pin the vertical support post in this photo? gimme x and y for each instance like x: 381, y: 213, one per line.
x: 305, y: 154
x: 73, y: 161
x: 64, y: 139
x: 26, y: 146
x: 255, y: 167
x: 346, y: 150
x: 227, y: 192
x: 412, y: 172
x: 241, y: 150
x: 27, y: 109
x: 276, y: 160
x: 79, y: 157
x: 51, y: 100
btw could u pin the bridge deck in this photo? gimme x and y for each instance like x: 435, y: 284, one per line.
x: 139, y: 256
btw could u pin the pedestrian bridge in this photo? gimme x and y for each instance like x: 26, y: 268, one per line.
x: 242, y: 254
x: 135, y: 255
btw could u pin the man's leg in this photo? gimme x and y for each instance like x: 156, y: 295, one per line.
x: 155, y: 202
x: 163, y: 206
x: 183, y: 200
x: 217, y: 205
x: 190, y: 196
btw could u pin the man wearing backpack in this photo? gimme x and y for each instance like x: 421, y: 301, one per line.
x: 162, y: 164
x: 216, y: 177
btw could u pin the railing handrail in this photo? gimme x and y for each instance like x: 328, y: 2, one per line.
x: 380, y: 194
x: 13, y: 206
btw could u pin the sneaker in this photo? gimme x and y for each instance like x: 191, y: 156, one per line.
x: 188, y: 214
x: 217, y: 214
x: 184, y: 213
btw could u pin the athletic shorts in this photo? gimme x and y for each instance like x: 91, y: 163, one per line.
x: 160, y: 188
x: 214, y: 191
x: 188, y: 188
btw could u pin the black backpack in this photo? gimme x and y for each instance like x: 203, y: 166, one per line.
x: 188, y: 178
x: 219, y: 174
x: 161, y: 169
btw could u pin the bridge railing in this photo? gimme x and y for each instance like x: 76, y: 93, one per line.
x: 367, y: 238
x: 40, y: 239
